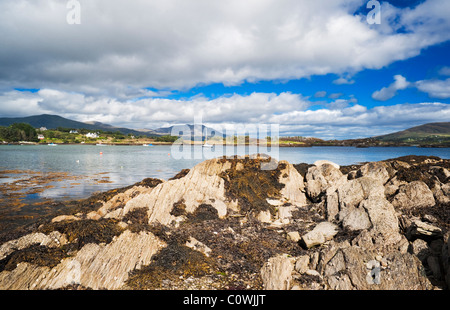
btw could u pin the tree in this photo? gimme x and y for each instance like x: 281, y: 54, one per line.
x: 19, y: 132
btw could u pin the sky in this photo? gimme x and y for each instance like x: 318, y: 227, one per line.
x: 316, y: 68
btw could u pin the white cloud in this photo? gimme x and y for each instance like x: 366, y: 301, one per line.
x: 444, y: 71
x: 435, y: 88
x: 387, y: 93
x: 343, y: 81
x: 179, y: 44
x: 320, y: 94
x: 341, y: 119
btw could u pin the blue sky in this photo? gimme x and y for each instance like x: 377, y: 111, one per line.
x: 315, y: 68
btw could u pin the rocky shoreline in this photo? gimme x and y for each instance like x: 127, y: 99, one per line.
x: 227, y: 224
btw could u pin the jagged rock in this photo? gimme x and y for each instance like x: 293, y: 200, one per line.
x: 320, y: 234
x: 198, y: 246
x: 442, y: 173
x: 354, y: 191
x: 383, y: 218
x: 24, y: 242
x: 230, y: 213
x: 355, y: 219
x: 321, y: 177
x: 319, y: 163
x: 420, y: 248
x: 419, y: 229
x: 277, y: 273
x: 414, y: 194
x: 302, y: 264
x: 293, y: 236
x: 95, y: 266
x: 376, y: 170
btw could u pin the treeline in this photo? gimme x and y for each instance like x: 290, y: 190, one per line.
x: 18, y: 132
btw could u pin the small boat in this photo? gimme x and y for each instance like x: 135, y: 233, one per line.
x: 207, y: 145
x: 52, y: 144
x: 147, y: 144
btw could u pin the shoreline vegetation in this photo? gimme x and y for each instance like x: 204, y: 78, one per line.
x: 25, y: 134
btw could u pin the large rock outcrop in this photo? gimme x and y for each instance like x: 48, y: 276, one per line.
x: 228, y: 224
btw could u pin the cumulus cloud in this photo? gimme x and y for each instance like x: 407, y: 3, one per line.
x: 341, y: 119
x: 104, y: 68
x: 435, y: 88
x: 389, y: 92
x: 343, y: 81
x: 179, y: 44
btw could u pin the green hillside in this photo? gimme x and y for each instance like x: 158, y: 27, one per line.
x: 424, y: 134
x: 55, y: 121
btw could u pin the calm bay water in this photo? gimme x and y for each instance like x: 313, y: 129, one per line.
x: 121, y: 166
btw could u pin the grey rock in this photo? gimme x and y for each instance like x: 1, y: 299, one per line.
x: 376, y: 170
x: 383, y: 218
x: 414, y: 194
x: 320, y: 178
x: 354, y: 219
x: 320, y: 234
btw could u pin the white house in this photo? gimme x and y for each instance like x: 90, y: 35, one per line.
x: 92, y: 135
x: 73, y: 131
x: 41, y: 137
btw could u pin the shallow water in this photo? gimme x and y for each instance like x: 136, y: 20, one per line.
x: 90, y: 168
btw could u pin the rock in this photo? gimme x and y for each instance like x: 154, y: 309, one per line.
x: 319, y: 163
x: 446, y: 189
x: 302, y: 264
x: 198, y: 246
x: 442, y: 173
x: 354, y: 191
x: 376, y: 170
x: 383, y: 218
x: 320, y: 234
x: 319, y: 178
x: 420, y: 248
x: 354, y: 219
x: 276, y: 274
x: 24, y: 242
x: 414, y: 194
x: 419, y: 229
x: 332, y: 204
x: 293, y: 236
x: 264, y: 217
x: 95, y: 266
x: 294, y: 188
x: 63, y: 218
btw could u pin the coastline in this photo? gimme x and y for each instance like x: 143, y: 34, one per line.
x: 293, y: 145
x: 234, y: 234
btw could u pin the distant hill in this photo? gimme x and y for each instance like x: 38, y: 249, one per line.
x: 55, y: 121
x: 194, y: 130
x: 427, y: 133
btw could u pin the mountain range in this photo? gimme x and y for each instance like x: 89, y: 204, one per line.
x: 54, y: 121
